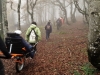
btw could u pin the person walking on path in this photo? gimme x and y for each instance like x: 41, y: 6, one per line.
x: 58, y: 23
x: 33, y: 35
x: 62, y: 21
x: 48, y: 29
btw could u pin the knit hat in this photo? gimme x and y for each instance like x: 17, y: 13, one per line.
x: 18, y: 31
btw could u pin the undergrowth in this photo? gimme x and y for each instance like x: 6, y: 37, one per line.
x: 87, y: 69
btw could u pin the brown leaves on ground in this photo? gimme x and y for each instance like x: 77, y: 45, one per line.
x: 64, y: 53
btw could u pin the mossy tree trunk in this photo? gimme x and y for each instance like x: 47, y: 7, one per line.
x: 3, y: 19
x: 94, y: 33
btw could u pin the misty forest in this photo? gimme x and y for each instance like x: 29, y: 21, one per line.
x: 72, y: 48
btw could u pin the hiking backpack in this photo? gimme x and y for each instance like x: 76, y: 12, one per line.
x: 48, y: 27
x: 32, y: 35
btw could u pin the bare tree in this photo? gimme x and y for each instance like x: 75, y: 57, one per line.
x: 30, y: 7
x: 62, y: 6
x: 44, y: 11
x: 19, y: 5
x: 93, y: 16
x: 94, y: 33
x: 11, y: 5
x: 2, y: 18
x: 73, y: 18
x: 83, y: 12
x: 18, y: 10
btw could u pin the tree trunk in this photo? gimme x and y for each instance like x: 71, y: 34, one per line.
x: 94, y: 34
x: 31, y: 5
x: 3, y: 19
x: 19, y: 5
x: 65, y: 18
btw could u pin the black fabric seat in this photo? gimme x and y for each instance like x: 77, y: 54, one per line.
x: 15, y: 44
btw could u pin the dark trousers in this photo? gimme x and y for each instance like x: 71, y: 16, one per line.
x: 33, y: 44
x: 47, y: 35
x: 2, y: 71
x: 28, y: 47
x: 34, y: 47
x: 58, y: 26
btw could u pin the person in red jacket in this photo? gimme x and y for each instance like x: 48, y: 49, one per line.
x: 58, y: 23
x: 62, y: 20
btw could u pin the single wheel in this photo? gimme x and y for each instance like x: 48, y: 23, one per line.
x: 20, y: 64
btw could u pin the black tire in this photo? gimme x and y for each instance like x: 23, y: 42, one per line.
x: 20, y: 64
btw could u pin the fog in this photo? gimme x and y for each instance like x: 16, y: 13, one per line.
x: 42, y: 12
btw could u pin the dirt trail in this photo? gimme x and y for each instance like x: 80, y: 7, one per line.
x: 62, y: 54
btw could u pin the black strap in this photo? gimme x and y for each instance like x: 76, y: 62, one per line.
x: 34, y: 32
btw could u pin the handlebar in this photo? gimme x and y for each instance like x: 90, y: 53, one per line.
x: 35, y: 44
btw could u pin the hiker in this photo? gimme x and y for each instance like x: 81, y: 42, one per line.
x: 7, y: 56
x: 33, y: 35
x: 58, y: 23
x: 62, y: 20
x: 48, y: 29
x: 49, y: 22
x: 28, y: 47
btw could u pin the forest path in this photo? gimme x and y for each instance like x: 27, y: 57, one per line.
x: 64, y: 53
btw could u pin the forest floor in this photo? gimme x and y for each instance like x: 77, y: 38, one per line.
x: 65, y: 53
